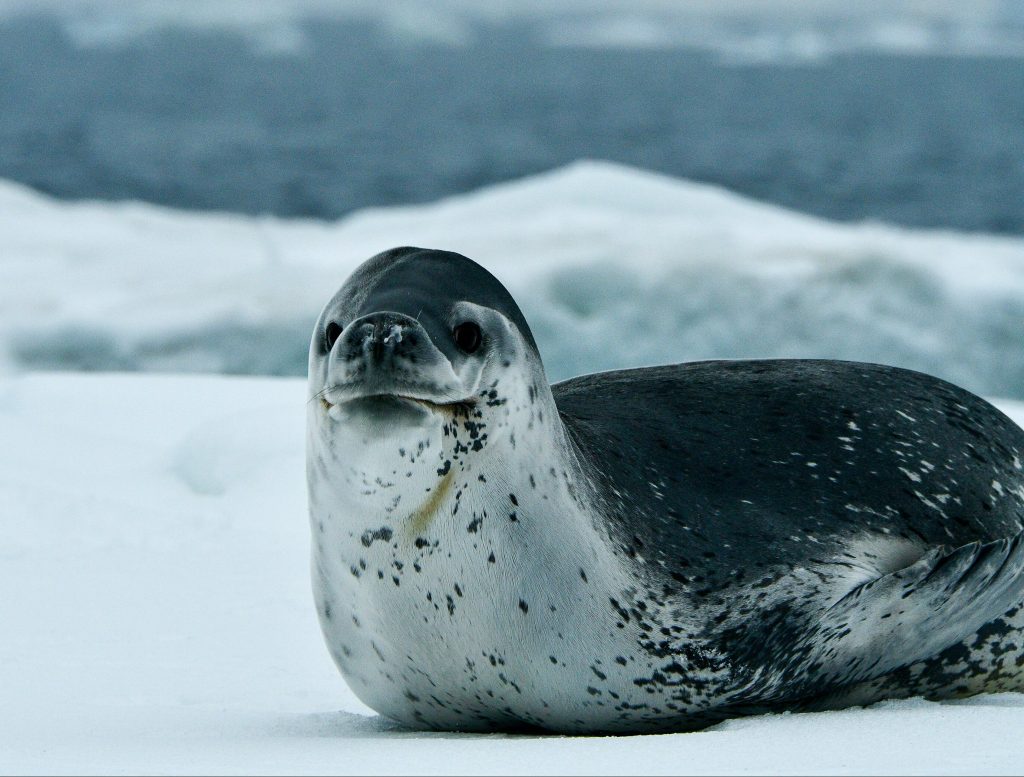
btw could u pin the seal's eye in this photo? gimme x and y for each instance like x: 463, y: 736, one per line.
x: 467, y: 336
x: 331, y: 334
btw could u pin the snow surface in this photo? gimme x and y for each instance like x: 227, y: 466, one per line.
x: 156, y: 615
x: 613, y: 267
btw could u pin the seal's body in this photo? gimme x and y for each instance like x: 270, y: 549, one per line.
x: 643, y: 550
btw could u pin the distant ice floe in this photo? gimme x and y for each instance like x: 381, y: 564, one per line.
x: 737, y: 30
x: 613, y: 267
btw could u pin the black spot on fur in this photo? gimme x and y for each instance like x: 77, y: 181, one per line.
x: 383, y: 533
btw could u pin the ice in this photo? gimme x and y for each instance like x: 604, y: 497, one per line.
x: 792, y: 31
x: 613, y: 267
x: 157, y: 616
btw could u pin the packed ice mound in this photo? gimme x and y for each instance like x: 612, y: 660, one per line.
x: 613, y: 267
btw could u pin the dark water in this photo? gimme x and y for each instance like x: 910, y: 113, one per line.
x: 202, y: 120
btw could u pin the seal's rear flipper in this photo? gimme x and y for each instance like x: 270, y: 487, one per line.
x: 908, y: 615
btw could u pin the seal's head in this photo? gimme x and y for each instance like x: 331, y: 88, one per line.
x: 418, y: 360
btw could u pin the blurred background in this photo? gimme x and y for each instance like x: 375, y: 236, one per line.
x: 186, y: 183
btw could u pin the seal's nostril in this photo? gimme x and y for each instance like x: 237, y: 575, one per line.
x: 381, y: 336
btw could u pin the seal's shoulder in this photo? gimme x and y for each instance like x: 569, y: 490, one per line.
x: 732, y: 458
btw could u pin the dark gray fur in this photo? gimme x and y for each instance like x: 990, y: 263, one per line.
x: 730, y: 445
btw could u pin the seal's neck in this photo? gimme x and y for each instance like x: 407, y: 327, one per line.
x: 514, y: 488
x: 438, y: 472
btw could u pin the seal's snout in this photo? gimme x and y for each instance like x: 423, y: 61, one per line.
x: 389, y: 354
x: 381, y: 338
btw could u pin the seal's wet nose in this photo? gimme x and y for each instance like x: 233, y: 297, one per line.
x: 379, y: 337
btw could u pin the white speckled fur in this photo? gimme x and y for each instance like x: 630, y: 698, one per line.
x: 484, y: 657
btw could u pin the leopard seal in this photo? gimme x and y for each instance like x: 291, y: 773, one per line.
x: 643, y: 550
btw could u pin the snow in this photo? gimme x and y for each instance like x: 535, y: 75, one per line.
x: 157, y: 616
x: 613, y: 267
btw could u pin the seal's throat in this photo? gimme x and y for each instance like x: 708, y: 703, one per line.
x: 423, y: 516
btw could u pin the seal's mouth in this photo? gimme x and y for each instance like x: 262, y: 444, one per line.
x: 384, y: 402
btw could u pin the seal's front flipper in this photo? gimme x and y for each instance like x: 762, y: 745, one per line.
x: 902, y: 617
